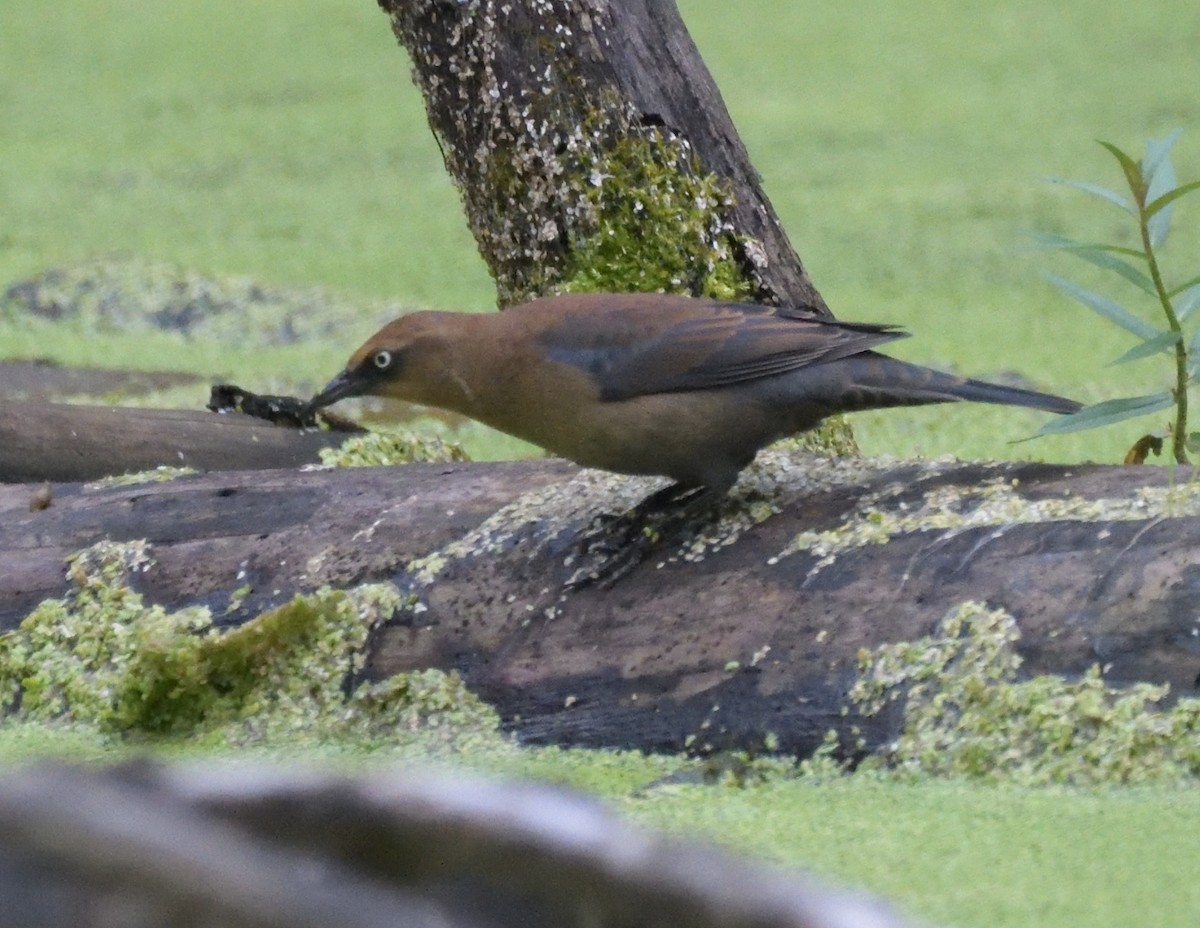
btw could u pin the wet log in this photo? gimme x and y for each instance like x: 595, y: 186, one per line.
x: 61, y: 442
x: 710, y: 645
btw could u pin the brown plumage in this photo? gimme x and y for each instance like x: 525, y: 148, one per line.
x: 685, y: 388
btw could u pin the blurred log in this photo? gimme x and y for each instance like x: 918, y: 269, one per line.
x: 44, y: 380
x: 60, y: 442
x: 264, y: 848
x: 709, y: 652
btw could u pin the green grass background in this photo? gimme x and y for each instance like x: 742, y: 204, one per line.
x: 901, y: 145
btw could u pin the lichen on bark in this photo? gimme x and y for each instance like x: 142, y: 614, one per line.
x: 564, y: 186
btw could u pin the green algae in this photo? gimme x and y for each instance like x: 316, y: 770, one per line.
x: 378, y: 448
x: 127, y: 294
x: 968, y: 713
x: 102, y: 657
x: 881, y: 516
x: 161, y: 474
x: 962, y: 852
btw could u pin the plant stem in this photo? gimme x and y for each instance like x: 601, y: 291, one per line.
x: 1179, y: 433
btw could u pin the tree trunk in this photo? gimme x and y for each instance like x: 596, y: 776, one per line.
x: 754, y: 630
x: 593, y: 150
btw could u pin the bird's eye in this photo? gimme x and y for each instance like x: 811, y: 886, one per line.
x: 383, y: 360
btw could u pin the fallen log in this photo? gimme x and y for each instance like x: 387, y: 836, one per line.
x: 754, y: 628
x: 256, y: 847
x: 61, y: 442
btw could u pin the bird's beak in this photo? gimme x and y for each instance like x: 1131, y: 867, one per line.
x: 343, y: 385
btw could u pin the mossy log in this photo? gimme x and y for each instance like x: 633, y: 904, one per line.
x: 752, y: 629
x: 592, y: 148
x: 57, y: 441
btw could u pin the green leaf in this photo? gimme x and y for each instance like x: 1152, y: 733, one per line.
x: 1116, y: 265
x: 1133, y: 172
x: 1103, y: 192
x: 1163, y: 182
x: 1187, y: 302
x: 1104, y: 256
x: 1170, y: 197
x: 1156, y: 154
x: 1187, y: 284
x: 1108, y: 412
x: 1193, y: 442
x: 1163, y: 342
x: 1194, y: 349
x: 1110, y: 310
x: 1054, y: 240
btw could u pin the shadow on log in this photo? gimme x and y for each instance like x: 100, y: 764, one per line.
x: 753, y: 629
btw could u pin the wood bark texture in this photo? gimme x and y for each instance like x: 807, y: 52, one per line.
x: 513, y: 89
x: 703, y: 651
x: 59, y: 442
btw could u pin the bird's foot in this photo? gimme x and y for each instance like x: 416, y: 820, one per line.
x: 615, y: 545
x: 610, y: 552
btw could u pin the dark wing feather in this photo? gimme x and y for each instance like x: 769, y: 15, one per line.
x: 635, y: 352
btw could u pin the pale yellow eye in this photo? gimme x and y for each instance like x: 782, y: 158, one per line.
x: 383, y: 360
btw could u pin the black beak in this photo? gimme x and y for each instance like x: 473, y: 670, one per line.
x: 343, y: 385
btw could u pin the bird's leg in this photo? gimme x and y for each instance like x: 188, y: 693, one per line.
x: 617, y: 545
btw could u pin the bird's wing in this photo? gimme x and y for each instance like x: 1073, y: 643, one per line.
x: 634, y: 353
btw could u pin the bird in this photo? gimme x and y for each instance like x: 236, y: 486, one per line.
x: 649, y: 383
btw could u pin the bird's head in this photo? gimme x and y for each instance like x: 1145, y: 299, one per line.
x: 394, y: 362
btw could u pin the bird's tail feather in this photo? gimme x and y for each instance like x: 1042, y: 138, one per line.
x: 880, y: 381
